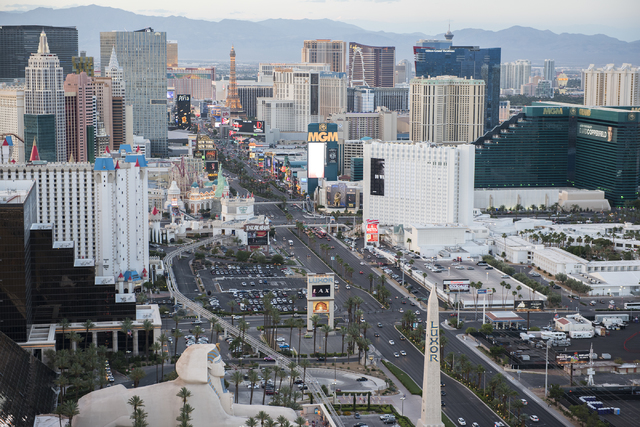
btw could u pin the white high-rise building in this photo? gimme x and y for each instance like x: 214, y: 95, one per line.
x: 121, y: 215
x: 446, y: 108
x: 315, y: 96
x: 549, y: 70
x: 115, y: 71
x: 418, y: 183
x: 515, y: 74
x: 611, y: 86
x: 102, y: 208
x: 265, y: 70
x: 12, y: 111
x: 44, y: 92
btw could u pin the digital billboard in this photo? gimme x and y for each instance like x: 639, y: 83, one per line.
x: 377, y: 177
x: 320, y: 307
x: 211, y: 167
x: 565, y: 357
x: 337, y: 195
x: 315, y: 160
x: 602, y: 133
x: 528, y: 305
x: 320, y: 286
x: 351, y: 198
x: 371, y: 238
x: 171, y: 94
x: 211, y: 155
x: 248, y: 126
x: 458, y: 285
x: 372, y: 228
x: 183, y: 115
x: 332, y: 155
x: 257, y: 234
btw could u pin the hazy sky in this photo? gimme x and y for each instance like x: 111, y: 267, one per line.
x: 616, y: 18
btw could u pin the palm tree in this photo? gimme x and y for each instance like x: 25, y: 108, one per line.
x: 326, y: 329
x: 198, y: 332
x: 315, y: 320
x: 300, y: 421
x: 219, y: 328
x: 292, y: 366
x: 267, y: 374
x: 251, y: 422
x: 162, y: 340
x: 371, y: 278
x: 70, y: 410
x: 232, y: 304
x: 87, y: 325
x: 136, y: 402
x: 262, y: 416
x: 236, y: 378
x: 156, y: 347
x: 136, y: 375
x: 299, y: 324
x: 282, y: 374
x: 253, y: 379
x: 125, y: 327
x: 64, y: 324
x: 147, y: 325
x: 304, y: 364
x: 291, y: 323
x: 176, y: 335
x: 480, y: 370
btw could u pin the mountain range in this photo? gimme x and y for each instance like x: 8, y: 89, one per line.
x: 280, y: 40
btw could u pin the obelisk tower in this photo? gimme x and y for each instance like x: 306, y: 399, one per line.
x: 233, y: 100
x: 430, y: 415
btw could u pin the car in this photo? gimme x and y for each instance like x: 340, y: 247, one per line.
x: 303, y: 387
x: 379, y: 324
x: 401, y: 310
x: 396, y: 354
x: 244, y: 283
x: 443, y: 393
x: 442, y: 403
x: 360, y: 425
x: 404, y: 301
x: 475, y: 425
x: 612, y: 302
x: 505, y: 276
x: 488, y: 267
x: 442, y: 384
x: 362, y: 379
x: 417, y: 313
x: 280, y: 339
x: 534, y: 418
x: 462, y: 422
x: 470, y: 268
x: 347, y: 287
x: 377, y: 335
x: 498, y: 424
x: 535, y: 274
x: 284, y: 345
x: 361, y: 272
x: 269, y: 359
x: 320, y: 359
x: 524, y: 402
x: 356, y: 415
x: 392, y: 342
x: 402, y: 338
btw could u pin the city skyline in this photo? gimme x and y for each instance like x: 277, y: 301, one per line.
x: 366, y: 13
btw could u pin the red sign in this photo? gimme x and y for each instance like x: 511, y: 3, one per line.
x: 372, y: 229
x: 372, y: 237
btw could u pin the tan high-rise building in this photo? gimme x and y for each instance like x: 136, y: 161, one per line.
x: 79, y: 117
x: 446, y: 109
x: 102, y: 90
x: 611, y: 86
x: 372, y: 66
x: 325, y: 51
x: 172, y: 53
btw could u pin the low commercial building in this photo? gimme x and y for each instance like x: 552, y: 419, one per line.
x: 567, y: 198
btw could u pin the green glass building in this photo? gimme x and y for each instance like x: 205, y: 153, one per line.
x: 564, y: 145
x: 42, y: 128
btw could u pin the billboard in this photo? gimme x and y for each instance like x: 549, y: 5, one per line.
x: 183, y: 115
x: 315, y: 160
x: 371, y: 231
x: 528, y: 305
x: 211, y: 155
x: 372, y: 238
x: 212, y: 169
x: 566, y: 357
x: 601, y: 133
x: 320, y: 286
x: 372, y: 228
x: 456, y: 285
x: 171, y: 94
x: 125, y: 298
x: 257, y: 234
x: 376, y: 180
x: 248, y: 126
x: 337, y: 195
x: 351, y: 198
x: 320, y: 307
x: 332, y: 155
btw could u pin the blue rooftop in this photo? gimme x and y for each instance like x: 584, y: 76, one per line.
x: 104, y: 164
x: 126, y: 148
x: 139, y: 157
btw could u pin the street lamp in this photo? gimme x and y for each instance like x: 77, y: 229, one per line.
x: 335, y: 367
x: 241, y: 363
x: 546, y: 371
x: 403, y: 398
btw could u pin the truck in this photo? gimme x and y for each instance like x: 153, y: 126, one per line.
x: 290, y: 242
x: 581, y: 334
x: 552, y: 335
x: 605, y: 356
x: 601, y: 330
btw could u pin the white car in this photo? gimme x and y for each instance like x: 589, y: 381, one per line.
x: 396, y: 354
x: 392, y: 342
x: 402, y: 352
x: 280, y: 339
x: 534, y: 418
x: 524, y: 402
x: 462, y: 422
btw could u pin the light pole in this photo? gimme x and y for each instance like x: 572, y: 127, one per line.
x: 335, y: 372
x: 546, y: 371
x: 403, y: 398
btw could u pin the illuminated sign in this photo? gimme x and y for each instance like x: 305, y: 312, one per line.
x: 248, y: 126
x: 322, y: 136
x: 184, y: 98
x: 256, y: 227
x: 315, y: 160
x: 565, y: 357
x: 372, y: 237
x: 603, y: 133
x: 456, y: 285
x: 434, y: 342
x: 372, y: 228
x: 376, y: 179
x: 321, y: 307
x: 528, y: 305
x: 552, y: 111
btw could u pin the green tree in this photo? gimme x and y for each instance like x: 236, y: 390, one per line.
x: 326, y: 329
x: 64, y: 324
x: 139, y: 416
x: 236, y: 379
x: 70, y: 410
x: 126, y: 327
x: 251, y: 422
x: 87, y: 326
x: 136, y: 375
x: 253, y: 379
x: 147, y: 325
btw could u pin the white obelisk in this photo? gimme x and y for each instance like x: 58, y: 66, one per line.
x: 431, y: 410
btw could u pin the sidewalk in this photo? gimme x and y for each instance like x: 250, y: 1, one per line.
x: 413, y: 402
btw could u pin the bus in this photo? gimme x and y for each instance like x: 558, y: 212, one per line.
x: 632, y: 305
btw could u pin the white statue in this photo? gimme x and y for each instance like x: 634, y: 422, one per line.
x: 201, y: 370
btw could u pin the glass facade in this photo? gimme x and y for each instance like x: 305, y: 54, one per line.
x: 356, y: 169
x: 553, y: 144
x: 26, y: 385
x: 469, y: 62
x: 42, y: 127
x: 18, y: 42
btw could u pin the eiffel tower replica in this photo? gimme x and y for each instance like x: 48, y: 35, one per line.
x: 233, y: 101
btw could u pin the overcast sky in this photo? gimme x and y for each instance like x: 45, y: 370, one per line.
x: 615, y: 18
